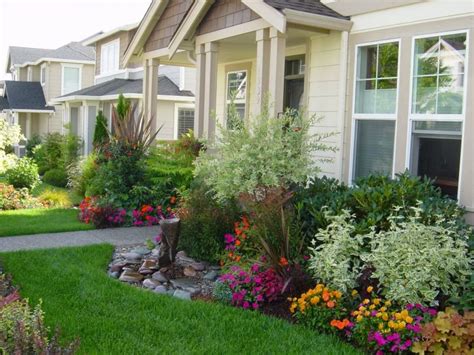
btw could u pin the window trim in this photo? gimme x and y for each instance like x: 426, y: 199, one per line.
x: 63, y: 66
x: 105, y: 45
x: 438, y: 117
x: 43, y: 77
x: 372, y: 116
x: 178, y: 106
x: 226, y: 100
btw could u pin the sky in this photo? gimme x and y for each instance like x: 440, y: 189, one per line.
x: 53, y: 23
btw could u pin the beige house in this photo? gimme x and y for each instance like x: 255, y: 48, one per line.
x: 174, y: 98
x: 38, y: 76
x: 393, y: 78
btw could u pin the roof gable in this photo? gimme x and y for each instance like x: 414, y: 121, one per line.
x: 25, y: 95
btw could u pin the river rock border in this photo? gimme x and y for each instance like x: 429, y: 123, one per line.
x: 186, y: 278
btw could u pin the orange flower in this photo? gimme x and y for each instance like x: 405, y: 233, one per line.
x: 331, y: 304
x: 237, y: 242
x: 237, y: 258
x: 334, y: 323
x: 238, y: 231
x: 283, y: 261
x: 325, y: 296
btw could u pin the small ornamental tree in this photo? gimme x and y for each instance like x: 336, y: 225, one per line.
x: 101, y: 134
x: 10, y: 134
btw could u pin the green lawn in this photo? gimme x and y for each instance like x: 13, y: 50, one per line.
x: 35, y: 221
x: 114, y: 318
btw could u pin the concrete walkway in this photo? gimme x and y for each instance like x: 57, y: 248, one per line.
x: 115, y: 236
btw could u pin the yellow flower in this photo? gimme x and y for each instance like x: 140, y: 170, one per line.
x: 391, y: 324
x: 380, y: 326
x: 409, y: 319
x: 362, y: 308
x: 355, y: 313
x: 402, y: 325
x: 385, y: 316
x: 388, y: 303
x: 314, y: 300
x: 376, y: 301
x: 359, y: 318
x: 404, y: 313
x: 354, y: 293
x: 383, y: 309
x: 338, y: 294
x: 379, y: 315
x: 370, y: 289
x: 366, y: 301
x: 372, y: 306
x: 366, y: 313
x: 398, y: 316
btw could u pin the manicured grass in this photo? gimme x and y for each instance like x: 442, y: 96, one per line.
x: 114, y: 318
x: 35, y: 221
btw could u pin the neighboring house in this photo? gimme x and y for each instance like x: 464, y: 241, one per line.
x: 174, y: 95
x: 393, y: 78
x: 38, y: 76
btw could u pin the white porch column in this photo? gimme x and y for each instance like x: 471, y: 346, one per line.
x: 28, y: 126
x: 210, y: 90
x: 277, y: 70
x: 150, y: 90
x: 263, y: 58
x: 85, y: 126
x: 199, y: 92
x: 66, y: 118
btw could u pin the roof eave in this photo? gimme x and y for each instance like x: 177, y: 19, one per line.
x: 268, y: 13
x: 153, y: 14
x: 315, y: 20
x: 101, y: 36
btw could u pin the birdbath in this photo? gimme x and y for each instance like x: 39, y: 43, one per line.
x: 170, y: 228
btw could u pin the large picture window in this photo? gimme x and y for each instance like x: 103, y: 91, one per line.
x: 71, y: 79
x: 375, y: 108
x: 377, y: 78
x: 109, y: 57
x: 236, y: 88
x: 438, y: 75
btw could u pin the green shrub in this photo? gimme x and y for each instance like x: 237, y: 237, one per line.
x: 81, y: 174
x: 24, y: 174
x: 31, y: 144
x: 260, y: 154
x: 415, y: 262
x: 55, y: 198
x: 335, y: 254
x: 372, y: 200
x: 101, y: 135
x: 204, y: 223
x: 10, y: 134
x: 56, y: 177
x: 15, y: 199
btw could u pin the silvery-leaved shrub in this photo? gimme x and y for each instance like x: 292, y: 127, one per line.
x: 10, y: 134
x: 335, y: 253
x: 414, y: 262
x: 261, y: 153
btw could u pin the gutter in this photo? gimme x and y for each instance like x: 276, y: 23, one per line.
x: 315, y: 20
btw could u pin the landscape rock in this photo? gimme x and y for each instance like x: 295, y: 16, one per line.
x: 181, y: 254
x: 189, y: 271
x: 141, y: 251
x: 198, y: 266
x: 131, y: 276
x: 184, y: 295
x: 132, y: 258
x: 114, y: 274
x: 158, y: 276
x: 161, y: 290
x: 211, y: 275
x: 186, y: 284
x: 151, y: 283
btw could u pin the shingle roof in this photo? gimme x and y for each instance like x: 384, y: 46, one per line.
x: 70, y: 51
x: 4, y: 103
x: 24, y: 95
x: 128, y: 86
x: 311, y: 6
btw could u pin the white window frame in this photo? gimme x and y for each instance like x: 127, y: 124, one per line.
x: 178, y: 106
x: 43, y: 76
x: 78, y: 66
x: 227, y: 101
x: 115, y: 42
x: 437, y: 117
x: 373, y: 116
x: 29, y: 74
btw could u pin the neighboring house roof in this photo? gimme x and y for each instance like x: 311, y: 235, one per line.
x: 24, y: 96
x: 73, y: 51
x: 101, y: 35
x: 128, y: 86
x: 310, y: 6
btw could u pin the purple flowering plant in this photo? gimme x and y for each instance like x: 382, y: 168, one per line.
x: 252, y: 288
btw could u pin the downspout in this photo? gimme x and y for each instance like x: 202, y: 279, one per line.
x: 343, y: 63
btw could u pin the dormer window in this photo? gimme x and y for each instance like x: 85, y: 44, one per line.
x: 109, y: 57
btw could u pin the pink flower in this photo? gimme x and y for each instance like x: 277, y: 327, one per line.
x: 245, y: 305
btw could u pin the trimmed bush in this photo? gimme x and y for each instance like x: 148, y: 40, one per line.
x: 55, y: 199
x: 56, y: 177
x: 24, y: 174
x: 101, y: 135
x: 31, y: 144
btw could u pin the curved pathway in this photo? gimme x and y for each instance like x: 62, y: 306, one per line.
x: 115, y: 236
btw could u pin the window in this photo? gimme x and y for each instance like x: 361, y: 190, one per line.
x: 29, y: 75
x: 109, y: 57
x: 294, y: 82
x: 43, y: 74
x: 185, y: 120
x: 237, y: 92
x: 375, y: 108
x: 71, y: 79
x: 437, y: 109
x: 438, y: 75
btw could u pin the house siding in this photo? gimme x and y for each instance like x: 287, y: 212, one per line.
x: 166, y: 27
x: 224, y: 14
x: 406, y: 34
